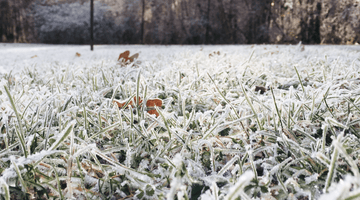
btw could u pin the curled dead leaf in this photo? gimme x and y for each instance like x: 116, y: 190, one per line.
x: 77, y: 54
x: 154, y: 102
x: 124, y: 55
x: 133, y: 57
x: 153, y: 112
x: 150, y: 104
x: 34, y: 56
x: 124, y: 58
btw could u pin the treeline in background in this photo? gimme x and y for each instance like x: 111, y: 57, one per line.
x: 181, y: 21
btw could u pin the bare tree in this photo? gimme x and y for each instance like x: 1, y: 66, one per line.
x: 207, y: 23
x: 14, y: 22
x: 142, y: 22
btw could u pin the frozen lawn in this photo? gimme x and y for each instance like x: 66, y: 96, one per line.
x: 236, y: 122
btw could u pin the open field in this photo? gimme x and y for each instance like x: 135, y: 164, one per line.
x: 234, y: 122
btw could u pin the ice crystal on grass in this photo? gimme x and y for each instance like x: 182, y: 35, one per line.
x: 216, y: 135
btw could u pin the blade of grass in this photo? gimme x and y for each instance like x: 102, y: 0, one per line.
x: 252, y: 108
x: 332, y: 167
x: 70, y: 164
x: 228, y: 165
x: 17, y: 170
x: 5, y: 187
x: 165, y: 121
x: 221, y: 94
x: 251, y: 158
x: 131, y: 170
x: 63, y: 135
x: 114, y: 93
x: 20, y: 133
x: 277, y: 109
x: 143, y: 108
x: 104, y: 130
x: 299, y: 77
x: 351, y: 162
x: 243, y: 181
x: 325, y: 128
x: 137, y: 101
x: 353, y: 195
x: 58, y: 183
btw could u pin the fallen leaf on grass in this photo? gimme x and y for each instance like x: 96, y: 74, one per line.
x: 124, y: 55
x: 261, y: 89
x: 124, y: 58
x: 153, y: 103
x: 122, y: 104
x: 133, y: 57
x: 150, y: 104
x: 153, y: 112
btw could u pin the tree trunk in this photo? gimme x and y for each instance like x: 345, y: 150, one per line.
x: 92, y: 25
x: 142, y: 22
x: 225, y: 23
x: 207, y: 39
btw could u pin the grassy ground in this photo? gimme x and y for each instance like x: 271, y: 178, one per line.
x: 262, y: 122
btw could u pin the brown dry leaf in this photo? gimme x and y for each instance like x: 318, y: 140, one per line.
x: 34, y: 56
x: 151, y: 112
x: 119, y: 104
x: 140, y: 100
x: 261, y: 89
x: 122, y: 104
x: 45, y: 165
x: 86, y: 167
x: 133, y: 57
x: 79, y: 188
x: 154, y: 102
x: 150, y: 104
x: 77, y: 54
x: 124, y: 55
x: 124, y: 59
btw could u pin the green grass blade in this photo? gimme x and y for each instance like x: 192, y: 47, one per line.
x: 17, y: 170
x: 58, y: 183
x: 5, y: 187
x: 20, y: 133
x: 105, y: 130
x: 227, y: 101
x: 301, y: 83
x: 276, y: 107
x: 331, y: 169
x: 63, y: 135
x: 137, y: 101
x: 243, y: 181
x: 252, y: 108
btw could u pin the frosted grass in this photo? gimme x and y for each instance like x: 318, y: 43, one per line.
x: 217, y: 135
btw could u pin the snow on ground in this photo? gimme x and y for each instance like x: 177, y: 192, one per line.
x: 297, y: 139
x: 17, y: 56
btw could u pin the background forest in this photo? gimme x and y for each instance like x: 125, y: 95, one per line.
x: 181, y: 21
